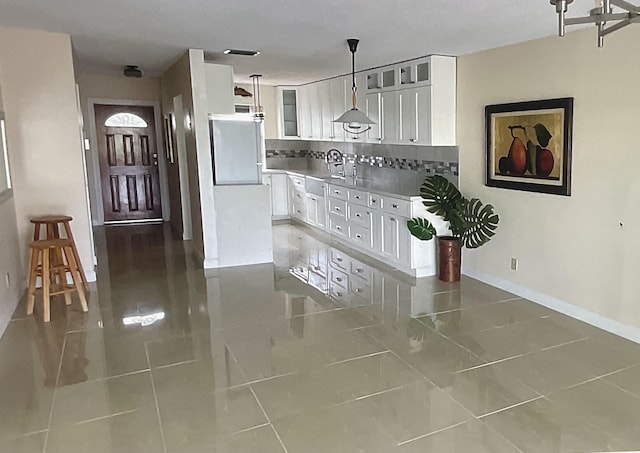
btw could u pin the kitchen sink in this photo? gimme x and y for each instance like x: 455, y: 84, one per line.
x: 314, y: 186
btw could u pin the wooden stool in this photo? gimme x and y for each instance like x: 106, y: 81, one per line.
x: 44, y: 255
x: 52, y: 224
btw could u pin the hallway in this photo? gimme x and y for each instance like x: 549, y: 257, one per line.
x: 324, y: 351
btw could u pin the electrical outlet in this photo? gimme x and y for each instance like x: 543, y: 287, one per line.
x: 514, y: 264
x: 7, y: 279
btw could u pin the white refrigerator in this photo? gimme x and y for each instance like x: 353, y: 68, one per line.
x: 237, y: 144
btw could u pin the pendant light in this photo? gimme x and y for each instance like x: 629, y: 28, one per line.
x: 258, y: 113
x: 353, y: 120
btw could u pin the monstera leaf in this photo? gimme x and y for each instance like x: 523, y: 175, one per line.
x: 440, y: 196
x: 421, y: 228
x: 478, y: 222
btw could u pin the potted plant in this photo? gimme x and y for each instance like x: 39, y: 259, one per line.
x: 471, y: 223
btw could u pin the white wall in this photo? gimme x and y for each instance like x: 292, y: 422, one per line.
x: 10, y: 263
x: 43, y: 134
x: 570, y: 249
x: 100, y: 86
x: 269, y: 100
x: 176, y: 81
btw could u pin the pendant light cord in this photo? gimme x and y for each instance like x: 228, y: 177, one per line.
x: 354, y: 99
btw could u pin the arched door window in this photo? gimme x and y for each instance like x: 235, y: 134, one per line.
x: 125, y: 120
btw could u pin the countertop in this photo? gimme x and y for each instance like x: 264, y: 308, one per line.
x: 396, y: 188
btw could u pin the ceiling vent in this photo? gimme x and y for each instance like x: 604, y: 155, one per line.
x: 132, y: 71
x: 246, y: 53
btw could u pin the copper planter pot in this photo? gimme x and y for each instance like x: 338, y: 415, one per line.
x: 449, y: 258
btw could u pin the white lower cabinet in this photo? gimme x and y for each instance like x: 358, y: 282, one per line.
x: 369, y: 222
x: 316, y: 211
x: 278, y: 187
x: 377, y: 225
x: 297, y: 197
x: 395, y: 238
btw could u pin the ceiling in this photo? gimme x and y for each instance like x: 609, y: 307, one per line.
x: 299, y: 40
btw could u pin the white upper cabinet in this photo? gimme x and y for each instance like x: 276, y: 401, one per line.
x: 372, y: 109
x: 412, y: 103
x: 304, y: 112
x: 338, y: 101
x: 326, y: 109
x: 415, y: 120
x: 288, y: 112
x: 389, y: 116
x: 315, y: 103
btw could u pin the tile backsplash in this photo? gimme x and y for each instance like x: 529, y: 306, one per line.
x: 373, y: 161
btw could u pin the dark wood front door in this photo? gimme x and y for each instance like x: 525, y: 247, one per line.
x: 128, y: 157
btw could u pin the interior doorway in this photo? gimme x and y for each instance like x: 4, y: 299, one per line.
x: 128, y: 160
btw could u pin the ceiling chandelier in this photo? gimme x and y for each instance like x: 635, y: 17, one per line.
x: 599, y: 16
x: 353, y: 119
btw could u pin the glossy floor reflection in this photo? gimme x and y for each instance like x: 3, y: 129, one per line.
x: 325, y: 351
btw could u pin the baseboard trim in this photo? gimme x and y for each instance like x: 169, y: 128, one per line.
x: 602, y: 322
x: 91, y: 275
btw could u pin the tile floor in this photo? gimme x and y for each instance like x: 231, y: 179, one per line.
x: 326, y: 351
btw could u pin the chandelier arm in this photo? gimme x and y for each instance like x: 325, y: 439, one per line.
x: 615, y: 27
x: 596, y: 18
x: 350, y: 131
x: 626, y: 5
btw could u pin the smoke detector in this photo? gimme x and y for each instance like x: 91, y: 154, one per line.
x: 132, y: 71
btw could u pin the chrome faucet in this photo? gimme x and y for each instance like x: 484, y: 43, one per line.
x: 335, y: 157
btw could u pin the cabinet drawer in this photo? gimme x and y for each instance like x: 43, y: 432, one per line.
x: 338, y: 208
x: 340, y: 260
x: 360, y: 288
x: 360, y: 236
x: 396, y: 206
x: 299, y: 211
x: 340, y: 294
x: 338, y: 277
x: 375, y: 201
x: 297, y: 181
x: 360, y: 216
x: 362, y: 271
x: 338, y: 192
x: 358, y: 197
x: 338, y: 225
x: 299, y: 196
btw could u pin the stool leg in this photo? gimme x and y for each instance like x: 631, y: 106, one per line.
x: 67, y: 229
x: 33, y: 275
x: 75, y: 276
x: 36, y: 232
x: 63, y: 277
x: 45, y: 285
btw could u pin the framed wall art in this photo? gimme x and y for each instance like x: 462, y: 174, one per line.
x: 529, y: 145
x: 169, y: 141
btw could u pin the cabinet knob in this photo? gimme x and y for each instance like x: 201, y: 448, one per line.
x: 338, y: 279
x: 358, y: 215
x: 339, y: 260
x: 359, y: 236
x: 338, y: 208
x: 395, y: 206
x: 412, y: 140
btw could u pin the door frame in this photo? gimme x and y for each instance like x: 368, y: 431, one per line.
x: 94, y: 150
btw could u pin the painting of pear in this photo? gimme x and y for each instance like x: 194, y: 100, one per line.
x: 517, y: 157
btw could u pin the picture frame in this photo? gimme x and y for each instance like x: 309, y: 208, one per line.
x: 169, y: 138
x: 528, y: 145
